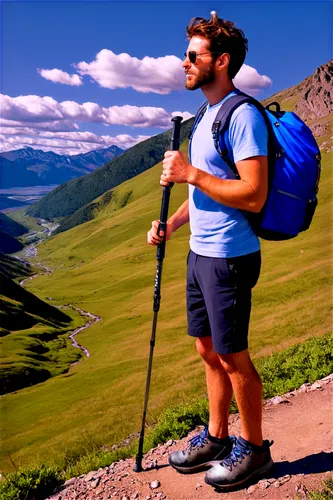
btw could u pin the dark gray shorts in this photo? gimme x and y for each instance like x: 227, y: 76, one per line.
x: 218, y: 294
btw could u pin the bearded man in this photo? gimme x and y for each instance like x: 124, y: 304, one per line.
x: 224, y: 259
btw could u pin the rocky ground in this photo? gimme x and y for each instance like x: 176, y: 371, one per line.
x: 300, y: 423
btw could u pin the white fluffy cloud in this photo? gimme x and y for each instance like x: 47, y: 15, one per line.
x: 161, y: 75
x: 59, y: 76
x: 34, y: 109
x: 250, y: 81
x: 44, y: 123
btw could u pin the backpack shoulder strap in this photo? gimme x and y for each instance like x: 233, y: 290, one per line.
x: 197, y: 118
x: 221, y: 124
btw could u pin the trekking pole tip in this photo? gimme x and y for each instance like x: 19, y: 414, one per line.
x: 138, y: 465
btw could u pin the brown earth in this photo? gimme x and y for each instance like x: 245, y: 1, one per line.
x: 300, y: 423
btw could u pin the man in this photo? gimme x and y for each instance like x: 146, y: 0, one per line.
x: 224, y: 260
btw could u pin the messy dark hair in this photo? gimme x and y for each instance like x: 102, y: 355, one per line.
x: 223, y: 36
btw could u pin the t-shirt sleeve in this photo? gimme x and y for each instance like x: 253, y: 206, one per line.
x: 248, y: 135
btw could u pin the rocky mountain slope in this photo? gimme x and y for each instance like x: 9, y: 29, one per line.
x: 312, y: 100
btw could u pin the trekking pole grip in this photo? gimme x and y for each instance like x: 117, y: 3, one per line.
x: 174, y: 146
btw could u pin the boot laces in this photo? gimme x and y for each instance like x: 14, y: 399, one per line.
x: 237, y: 454
x: 199, y: 440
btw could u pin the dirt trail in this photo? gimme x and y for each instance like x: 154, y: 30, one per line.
x: 300, y: 423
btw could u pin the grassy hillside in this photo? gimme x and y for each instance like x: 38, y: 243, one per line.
x: 10, y: 244
x: 9, y: 226
x: 33, y: 342
x: 21, y: 217
x: 105, y: 266
x: 13, y: 268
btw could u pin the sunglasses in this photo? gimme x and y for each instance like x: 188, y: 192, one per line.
x: 192, y: 55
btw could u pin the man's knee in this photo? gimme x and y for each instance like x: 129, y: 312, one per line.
x: 205, y: 349
x: 239, y: 362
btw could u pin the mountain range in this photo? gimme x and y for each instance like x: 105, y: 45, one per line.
x: 34, y: 167
x: 76, y: 193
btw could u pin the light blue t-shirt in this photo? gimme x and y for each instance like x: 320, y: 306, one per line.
x: 218, y: 230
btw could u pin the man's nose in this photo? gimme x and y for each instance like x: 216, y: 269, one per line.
x: 186, y: 63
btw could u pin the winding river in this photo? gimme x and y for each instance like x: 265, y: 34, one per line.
x: 31, y: 251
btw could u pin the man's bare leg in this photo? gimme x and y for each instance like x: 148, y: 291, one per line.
x: 247, y: 388
x: 218, y: 387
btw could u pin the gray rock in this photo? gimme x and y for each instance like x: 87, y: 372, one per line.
x: 155, y: 484
x: 252, y: 489
x: 263, y: 484
x: 70, y: 482
x: 315, y: 387
x: 95, y: 482
x: 284, y: 479
x: 304, y: 387
x: 301, y: 491
x: 90, y: 476
x: 279, y: 400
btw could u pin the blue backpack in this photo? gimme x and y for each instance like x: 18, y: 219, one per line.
x: 293, y: 167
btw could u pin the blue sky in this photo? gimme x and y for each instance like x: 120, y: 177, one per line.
x: 124, y: 59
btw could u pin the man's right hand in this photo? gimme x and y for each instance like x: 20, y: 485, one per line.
x: 153, y: 237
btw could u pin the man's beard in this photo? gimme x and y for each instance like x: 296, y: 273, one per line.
x: 201, y: 80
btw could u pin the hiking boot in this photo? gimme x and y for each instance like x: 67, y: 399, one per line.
x: 199, y: 452
x: 241, y: 466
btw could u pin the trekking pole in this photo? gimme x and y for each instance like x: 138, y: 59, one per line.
x: 157, y: 289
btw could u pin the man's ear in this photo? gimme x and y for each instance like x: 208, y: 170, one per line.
x: 223, y: 61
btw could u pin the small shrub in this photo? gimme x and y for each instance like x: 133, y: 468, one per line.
x: 96, y: 460
x: 291, y: 368
x: 30, y: 483
x: 326, y: 493
x: 125, y: 199
x: 177, y: 422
